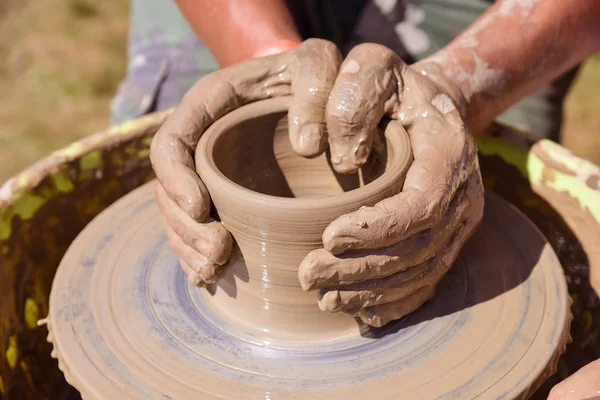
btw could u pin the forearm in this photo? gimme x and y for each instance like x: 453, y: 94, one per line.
x: 235, y: 30
x: 515, y: 48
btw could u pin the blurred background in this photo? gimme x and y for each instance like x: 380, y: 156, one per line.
x: 61, y: 61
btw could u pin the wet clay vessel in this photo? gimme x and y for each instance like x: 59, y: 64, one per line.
x: 125, y: 323
x: 277, y: 204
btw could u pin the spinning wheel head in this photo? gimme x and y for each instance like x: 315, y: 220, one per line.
x: 125, y: 323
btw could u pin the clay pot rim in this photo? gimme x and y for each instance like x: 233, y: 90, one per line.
x: 398, y: 164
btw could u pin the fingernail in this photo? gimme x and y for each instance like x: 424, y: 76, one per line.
x: 307, y: 273
x: 211, y: 274
x: 349, y: 155
x: 310, y: 141
x: 336, y: 159
x: 336, y: 240
x: 361, y: 152
x: 208, y: 271
x: 221, y: 247
x: 330, y: 301
x: 343, y: 165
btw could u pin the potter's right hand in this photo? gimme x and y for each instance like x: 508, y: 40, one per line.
x: 306, y: 72
x: 382, y: 262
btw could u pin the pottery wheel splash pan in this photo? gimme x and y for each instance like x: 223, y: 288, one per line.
x: 126, y: 324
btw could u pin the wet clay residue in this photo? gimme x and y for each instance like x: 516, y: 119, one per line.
x: 119, y: 298
x: 307, y: 72
x: 364, y: 250
x: 276, y: 204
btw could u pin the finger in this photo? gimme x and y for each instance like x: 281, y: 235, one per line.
x: 379, y: 291
x: 314, y: 70
x: 210, y: 239
x: 193, y: 276
x: 209, y: 99
x: 321, y: 269
x: 366, y: 88
x: 381, y: 314
x: 197, y: 267
x: 397, y: 286
x: 401, y: 284
x: 378, y: 316
x: 442, y: 162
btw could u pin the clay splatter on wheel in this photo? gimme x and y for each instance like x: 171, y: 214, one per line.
x: 126, y: 323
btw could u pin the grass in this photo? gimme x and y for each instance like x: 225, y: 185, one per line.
x: 61, y: 61
x: 60, y: 64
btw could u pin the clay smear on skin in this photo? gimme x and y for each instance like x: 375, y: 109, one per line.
x: 483, y: 79
x: 288, y: 372
x: 273, y: 168
x: 443, y: 103
x: 350, y: 67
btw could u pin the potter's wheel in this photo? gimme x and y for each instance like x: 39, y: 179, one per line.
x: 126, y: 324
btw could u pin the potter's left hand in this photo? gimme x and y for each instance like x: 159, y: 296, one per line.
x: 383, y: 262
x: 306, y: 72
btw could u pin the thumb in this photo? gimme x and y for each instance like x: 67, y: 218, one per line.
x: 365, y: 90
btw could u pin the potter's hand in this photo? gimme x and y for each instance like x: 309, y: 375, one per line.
x: 583, y: 384
x: 307, y: 73
x: 396, y: 252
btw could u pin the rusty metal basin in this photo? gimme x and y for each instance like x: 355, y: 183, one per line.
x: 44, y: 208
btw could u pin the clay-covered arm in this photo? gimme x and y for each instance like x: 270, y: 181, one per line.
x: 235, y: 30
x: 515, y: 48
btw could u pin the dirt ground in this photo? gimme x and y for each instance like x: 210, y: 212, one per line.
x: 61, y: 60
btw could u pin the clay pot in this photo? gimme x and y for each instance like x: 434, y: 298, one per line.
x: 277, y: 204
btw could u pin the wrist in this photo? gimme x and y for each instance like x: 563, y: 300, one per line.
x: 446, y: 69
x: 436, y: 68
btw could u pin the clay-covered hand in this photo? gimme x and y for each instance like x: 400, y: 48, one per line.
x: 382, y: 262
x: 306, y: 72
x: 582, y: 385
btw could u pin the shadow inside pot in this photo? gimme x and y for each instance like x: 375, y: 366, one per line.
x: 259, y: 156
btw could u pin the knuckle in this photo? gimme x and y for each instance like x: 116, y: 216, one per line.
x: 318, y: 54
x: 328, y: 46
x: 373, y: 49
x: 321, y: 45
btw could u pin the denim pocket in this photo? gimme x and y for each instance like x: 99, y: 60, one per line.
x: 136, y: 95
